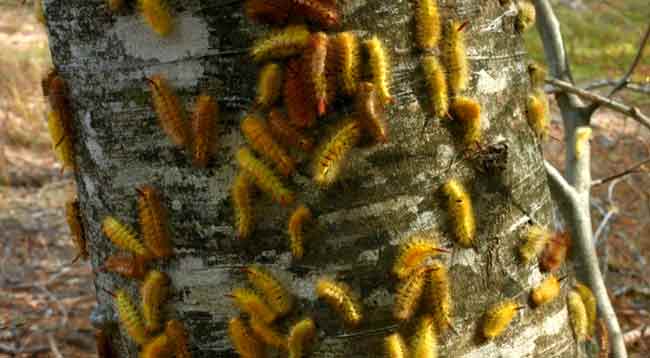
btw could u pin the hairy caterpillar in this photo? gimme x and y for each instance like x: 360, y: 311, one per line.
x: 177, y: 334
x: 455, y: 57
x: 264, y: 177
x: 269, y: 85
x: 154, y: 292
x: 73, y: 217
x: 204, y: 129
x: 555, y: 252
x: 301, y: 108
x: 578, y: 316
x: 468, y: 112
x: 413, y: 252
x: 123, y: 237
x: 589, y: 301
x: 537, y: 74
x: 535, y: 240
x: 250, y: 302
x: 440, y: 292
x: 170, y: 111
x: 128, y: 266
x: 603, y: 339
x: 275, y: 293
x: 267, y: 334
x: 345, y: 46
x: 425, y: 341
x: 546, y: 292
x: 314, y: 60
x: 296, y: 229
x: 371, y: 112
x: 60, y: 120
x: 525, y: 16
x: 130, y: 318
x: 395, y: 346
x: 583, y: 135
x: 301, y: 337
x: 498, y: 318
x: 286, y: 133
x: 537, y: 113
x: 61, y: 141
x: 408, y: 294
x: 158, y: 347
x: 243, y: 341
x: 157, y: 15
x: 427, y: 22
x: 280, y: 44
x: 267, y: 11
x: 379, y: 68
x: 341, y: 298
x: 459, y: 205
x: 434, y: 74
x: 323, y: 13
x: 331, y: 155
x: 103, y: 344
x: 241, y: 202
x: 259, y: 137
x: 154, y: 222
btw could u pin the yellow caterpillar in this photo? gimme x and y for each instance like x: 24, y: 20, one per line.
x: 413, y: 252
x: 276, y: 294
x: 498, y: 318
x: 408, y: 294
x: 535, y: 241
x: 425, y: 341
x: 157, y: 14
x: 123, y: 237
x: 442, y: 309
x: 455, y: 57
x: 427, y: 22
x: 546, y: 292
x: 204, y: 130
x: 259, y: 137
x: 537, y: 74
x: 301, y: 337
x: 158, y: 347
x: 459, y: 206
x: 340, y: 297
x: 349, y: 61
x: 241, y: 202
x: 525, y: 16
x: 61, y: 140
x: 395, y: 346
x: 468, y: 112
x: 250, y: 302
x: 269, y: 85
x: 154, y: 291
x: 264, y: 177
x: 243, y: 341
x: 578, y: 316
x: 434, y: 74
x: 130, y: 318
x: 177, y: 334
x: 170, y: 111
x: 379, y: 68
x: 589, y: 301
x: 268, y: 334
x: 332, y: 153
x: 537, y: 113
x: 281, y: 44
x: 296, y: 229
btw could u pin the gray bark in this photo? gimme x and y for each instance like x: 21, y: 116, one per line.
x: 388, y: 192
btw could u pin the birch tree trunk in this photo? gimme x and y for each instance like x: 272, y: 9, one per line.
x: 387, y: 193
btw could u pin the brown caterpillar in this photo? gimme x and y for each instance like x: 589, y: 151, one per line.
x: 204, y: 130
x: 340, y: 297
x: 154, y: 222
x: 128, y: 266
x: 267, y: 11
x: 177, y: 334
x: 60, y: 121
x: 286, y: 134
x: 158, y: 15
x: 73, y: 217
x: 158, y: 347
x: 170, y: 111
x: 241, y: 192
x: 322, y: 13
x: 370, y: 111
x: 555, y: 252
x: 243, y: 340
x: 259, y: 137
x: 301, y: 108
x: 314, y: 60
x: 104, y: 345
x: 154, y: 292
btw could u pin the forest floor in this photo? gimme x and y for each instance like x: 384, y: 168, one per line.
x: 45, y: 300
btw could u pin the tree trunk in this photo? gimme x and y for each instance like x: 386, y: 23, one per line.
x: 387, y: 193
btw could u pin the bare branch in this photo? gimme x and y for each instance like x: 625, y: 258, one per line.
x: 633, y: 112
x: 632, y: 86
x: 630, y: 170
x: 572, y: 207
x: 53, y: 346
x: 4, y: 348
x: 639, y: 54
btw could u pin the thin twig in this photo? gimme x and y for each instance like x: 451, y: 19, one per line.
x: 639, y: 54
x: 53, y: 346
x: 632, y: 86
x: 630, y: 170
x: 4, y: 348
x: 633, y: 112
x: 370, y: 332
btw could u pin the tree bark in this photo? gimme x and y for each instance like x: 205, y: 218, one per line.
x: 387, y: 193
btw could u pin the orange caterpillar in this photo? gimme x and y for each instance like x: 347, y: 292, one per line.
x: 300, y: 105
x: 286, y: 133
x: 204, y: 130
x: 555, y: 252
x: 296, y: 229
x: 427, y: 22
x: 283, y: 43
x: 436, y: 80
x: 243, y: 340
x: 250, y: 302
x: 263, y: 177
x: 408, y: 295
x: 498, y: 318
x: 241, y: 202
x: 259, y: 137
x: 371, y: 112
x: 130, y: 318
x: 276, y: 294
x: 61, y: 141
x: 103, y: 344
x: 314, y: 60
x: 459, y: 206
x: 269, y: 85
x: 346, y: 48
x: 268, y: 334
x: 332, y: 153
x: 73, y: 217
x: 379, y: 68
x: 546, y: 292
x: 123, y: 237
x: 60, y: 120
x: 128, y: 266
x: 468, y: 112
x: 158, y: 347
x: 322, y: 13
x: 170, y: 111
x: 157, y: 15
x: 177, y: 334
x: 273, y: 12
x: 154, y: 292
x: 154, y: 222
x: 301, y: 338
x: 395, y: 346
x: 440, y: 292
x: 340, y: 297
x: 455, y: 57
x: 425, y: 341
x: 589, y: 301
x: 413, y: 252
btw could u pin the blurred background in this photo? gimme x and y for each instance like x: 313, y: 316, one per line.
x: 45, y: 301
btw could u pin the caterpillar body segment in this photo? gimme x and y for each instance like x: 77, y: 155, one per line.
x: 340, y: 297
x: 250, y: 302
x: 243, y: 339
x: 259, y: 137
x: 413, y: 252
x: 395, y: 346
x: 268, y: 334
x: 427, y: 22
x: 331, y: 155
x: 468, y: 112
x: 123, y: 237
x: 286, y: 134
x: 280, y: 44
x: 273, y: 12
x: 440, y: 293
x: 408, y: 295
x: 73, y: 217
x: 425, y: 340
x: 177, y: 334
x: 157, y: 15
x: 590, y: 303
x: 459, y: 206
x: 537, y: 113
x: 436, y: 81
x: 299, y: 219
x: 498, y: 318
x: 455, y: 57
x: 264, y: 177
x: 347, y: 55
x: 241, y: 192
x: 275, y: 292
x: 158, y: 347
x: 269, y: 85
x: 546, y: 292
x: 578, y: 316
x: 154, y: 292
x: 300, y: 105
x: 535, y: 240
x: 154, y: 222
x: 130, y: 317
x: 379, y: 68
x: 301, y: 338
x: 370, y: 111
x: 128, y: 266
x: 322, y: 13
x: 204, y: 130
x: 314, y: 62
x: 170, y: 111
